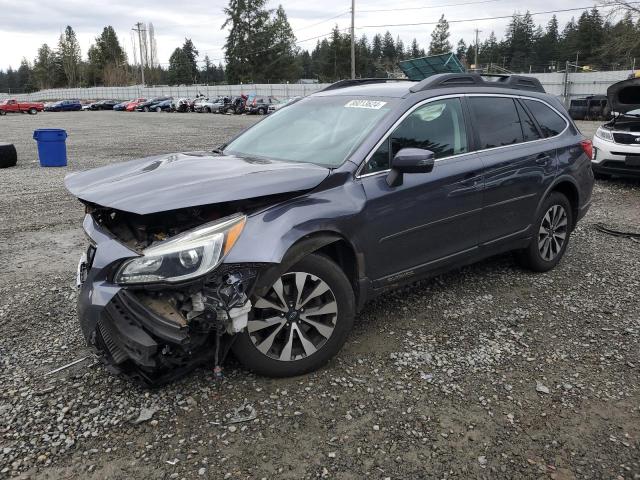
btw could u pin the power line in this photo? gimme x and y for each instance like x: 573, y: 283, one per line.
x: 501, y: 17
x: 428, y: 6
x: 326, y: 20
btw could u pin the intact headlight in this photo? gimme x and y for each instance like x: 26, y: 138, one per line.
x: 604, y: 134
x: 185, y: 256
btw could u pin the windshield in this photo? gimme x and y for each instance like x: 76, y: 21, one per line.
x: 320, y: 130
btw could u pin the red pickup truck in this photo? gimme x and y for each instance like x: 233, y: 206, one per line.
x: 7, y: 106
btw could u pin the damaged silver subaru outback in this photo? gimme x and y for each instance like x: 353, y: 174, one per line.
x: 269, y: 245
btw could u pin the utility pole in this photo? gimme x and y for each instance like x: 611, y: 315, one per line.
x: 475, y: 60
x: 139, y: 29
x: 353, y: 39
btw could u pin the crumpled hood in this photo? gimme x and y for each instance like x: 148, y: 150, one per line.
x: 624, y: 96
x: 180, y: 180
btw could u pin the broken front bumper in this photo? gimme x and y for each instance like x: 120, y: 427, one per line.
x: 139, y: 331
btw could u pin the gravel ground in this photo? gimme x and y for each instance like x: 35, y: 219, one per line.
x: 485, y: 372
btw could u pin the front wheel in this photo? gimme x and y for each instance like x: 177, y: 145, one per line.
x: 552, y: 230
x: 32, y: 111
x: 158, y: 109
x: 302, y: 321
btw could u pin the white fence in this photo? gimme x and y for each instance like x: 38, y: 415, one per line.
x: 278, y: 90
x: 579, y: 84
x: 565, y: 86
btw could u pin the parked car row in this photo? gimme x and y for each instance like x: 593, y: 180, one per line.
x: 243, y: 104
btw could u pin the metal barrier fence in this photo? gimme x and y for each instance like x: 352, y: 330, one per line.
x: 564, y: 85
x: 277, y: 90
x: 568, y: 86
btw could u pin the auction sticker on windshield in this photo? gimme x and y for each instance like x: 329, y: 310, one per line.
x: 372, y: 104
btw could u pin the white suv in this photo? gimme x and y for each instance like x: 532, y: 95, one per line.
x: 616, y: 144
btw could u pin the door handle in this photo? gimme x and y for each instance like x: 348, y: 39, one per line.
x: 472, y: 181
x: 543, y: 159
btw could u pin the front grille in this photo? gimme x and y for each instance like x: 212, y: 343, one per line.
x: 626, y: 139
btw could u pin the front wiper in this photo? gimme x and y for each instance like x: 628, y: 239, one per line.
x: 219, y: 149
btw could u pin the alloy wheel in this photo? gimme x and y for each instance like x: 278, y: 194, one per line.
x: 553, y: 232
x: 295, y: 318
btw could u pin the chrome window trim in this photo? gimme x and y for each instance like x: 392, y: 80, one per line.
x: 444, y: 97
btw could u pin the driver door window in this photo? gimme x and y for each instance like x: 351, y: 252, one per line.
x: 437, y: 126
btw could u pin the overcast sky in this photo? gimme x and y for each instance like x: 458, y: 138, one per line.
x: 27, y: 24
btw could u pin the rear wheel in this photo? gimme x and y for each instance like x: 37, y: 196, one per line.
x: 158, y: 109
x: 302, y: 321
x: 552, y: 230
x: 2, y: 113
x: 32, y: 111
x: 146, y: 109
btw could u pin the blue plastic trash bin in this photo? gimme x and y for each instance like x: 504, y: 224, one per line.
x: 52, y: 149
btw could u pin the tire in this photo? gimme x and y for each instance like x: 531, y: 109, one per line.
x: 158, y: 109
x: 2, y: 113
x: 292, y: 329
x: 261, y: 111
x: 554, y: 221
x: 207, y: 110
x: 33, y: 111
x: 8, y: 155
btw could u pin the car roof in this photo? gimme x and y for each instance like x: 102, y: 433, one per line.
x: 456, y: 83
x: 396, y: 89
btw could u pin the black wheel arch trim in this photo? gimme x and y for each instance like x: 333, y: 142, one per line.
x: 564, y: 178
x: 304, y: 246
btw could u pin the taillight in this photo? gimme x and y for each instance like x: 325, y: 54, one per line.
x: 254, y: 102
x: 587, y: 147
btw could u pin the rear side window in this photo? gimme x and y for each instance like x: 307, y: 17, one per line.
x: 550, y: 122
x: 496, y: 121
x: 529, y: 129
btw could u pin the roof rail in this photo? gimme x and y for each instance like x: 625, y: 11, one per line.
x: 351, y: 82
x: 518, y: 82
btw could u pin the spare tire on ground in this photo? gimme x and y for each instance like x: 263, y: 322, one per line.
x: 8, y: 155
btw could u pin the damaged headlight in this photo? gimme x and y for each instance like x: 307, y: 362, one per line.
x: 185, y: 256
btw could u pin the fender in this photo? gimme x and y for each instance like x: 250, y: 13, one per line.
x: 558, y: 180
x: 297, y: 252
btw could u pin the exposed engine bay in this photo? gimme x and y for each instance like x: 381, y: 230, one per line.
x: 141, y: 231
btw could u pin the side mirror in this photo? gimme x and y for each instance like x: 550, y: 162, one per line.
x: 409, y: 160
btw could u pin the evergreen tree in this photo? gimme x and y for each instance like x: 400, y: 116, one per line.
x: 191, y: 55
x: 440, y: 38
x: 415, y: 49
x: 461, y: 49
x: 180, y: 72
x: 247, y: 39
x: 107, y: 60
x: 376, y: 48
x: 280, y: 59
x: 24, y: 75
x: 44, y: 68
x: 388, y: 47
x: 70, y: 57
x: 400, y: 53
